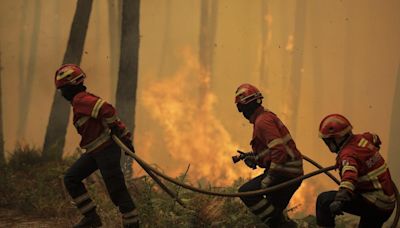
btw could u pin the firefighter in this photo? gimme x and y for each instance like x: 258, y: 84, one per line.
x: 95, y: 120
x: 276, y: 152
x: 366, y: 187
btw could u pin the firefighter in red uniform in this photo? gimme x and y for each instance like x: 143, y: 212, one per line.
x: 95, y: 120
x: 366, y: 187
x: 276, y: 152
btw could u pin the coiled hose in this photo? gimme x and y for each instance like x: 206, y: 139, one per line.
x: 149, y: 169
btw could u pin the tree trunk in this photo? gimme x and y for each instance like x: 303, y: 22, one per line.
x: 318, y: 83
x: 27, y: 80
x: 128, y: 69
x: 394, y: 145
x: 166, y: 38
x: 21, y: 60
x: 208, y: 25
x: 114, y: 25
x: 59, y: 116
x: 2, y: 152
x: 297, y: 64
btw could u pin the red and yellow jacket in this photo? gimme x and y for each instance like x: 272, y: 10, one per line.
x: 273, y: 146
x: 363, y: 170
x: 93, y: 118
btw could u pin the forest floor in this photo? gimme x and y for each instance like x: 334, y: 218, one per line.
x: 13, y: 219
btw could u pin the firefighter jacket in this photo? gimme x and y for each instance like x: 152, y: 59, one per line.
x: 273, y: 146
x: 93, y: 118
x: 363, y: 170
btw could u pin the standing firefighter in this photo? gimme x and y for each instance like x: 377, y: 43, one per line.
x: 95, y: 120
x: 276, y: 152
x: 366, y: 187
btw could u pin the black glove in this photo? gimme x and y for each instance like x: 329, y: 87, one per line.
x: 117, y: 131
x: 251, y: 161
x: 128, y: 143
x: 336, y: 207
x: 342, y: 196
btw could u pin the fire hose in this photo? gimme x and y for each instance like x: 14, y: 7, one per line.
x: 150, y: 170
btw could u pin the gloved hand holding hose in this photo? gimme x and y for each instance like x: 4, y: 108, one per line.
x: 124, y: 136
x: 249, y: 159
x: 342, y: 196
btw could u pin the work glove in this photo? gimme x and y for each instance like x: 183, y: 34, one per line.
x: 117, y: 131
x: 336, y: 207
x: 128, y: 143
x: 251, y: 161
x: 342, y: 196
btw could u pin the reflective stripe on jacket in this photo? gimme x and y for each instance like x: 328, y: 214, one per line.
x: 274, y: 147
x: 363, y: 170
x: 93, y: 118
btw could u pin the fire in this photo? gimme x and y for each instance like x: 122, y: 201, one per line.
x: 191, y: 131
x: 303, y: 201
x: 192, y: 134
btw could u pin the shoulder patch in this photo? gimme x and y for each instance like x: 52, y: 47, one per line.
x: 363, y: 142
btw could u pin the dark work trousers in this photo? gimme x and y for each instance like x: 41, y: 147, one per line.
x: 108, y: 162
x: 370, y: 215
x: 268, y: 207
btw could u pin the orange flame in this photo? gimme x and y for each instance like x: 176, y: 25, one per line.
x: 191, y: 132
x: 303, y: 201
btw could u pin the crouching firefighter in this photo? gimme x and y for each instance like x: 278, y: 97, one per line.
x: 276, y: 152
x: 366, y: 187
x: 95, y: 120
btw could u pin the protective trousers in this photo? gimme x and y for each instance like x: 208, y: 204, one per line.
x: 108, y: 162
x: 269, y: 208
x: 370, y: 215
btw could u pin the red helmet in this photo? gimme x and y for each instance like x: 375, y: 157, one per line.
x: 334, y: 125
x: 246, y: 93
x: 69, y: 74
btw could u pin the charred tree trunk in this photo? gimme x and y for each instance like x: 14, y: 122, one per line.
x: 297, y: 64
x: 59, y: 116
x: 27, y: 80
x: 2, y: 152
x: 208, y: 25
x: 316, y: 66
x: 114, y: 22
x: 21, y: 60
x: 128, y: 69
x: 394, y: 145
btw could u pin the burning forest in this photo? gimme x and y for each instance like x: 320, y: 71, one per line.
x: 208, y: 113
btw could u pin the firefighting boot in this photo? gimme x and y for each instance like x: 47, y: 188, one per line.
x: 90, y: 220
